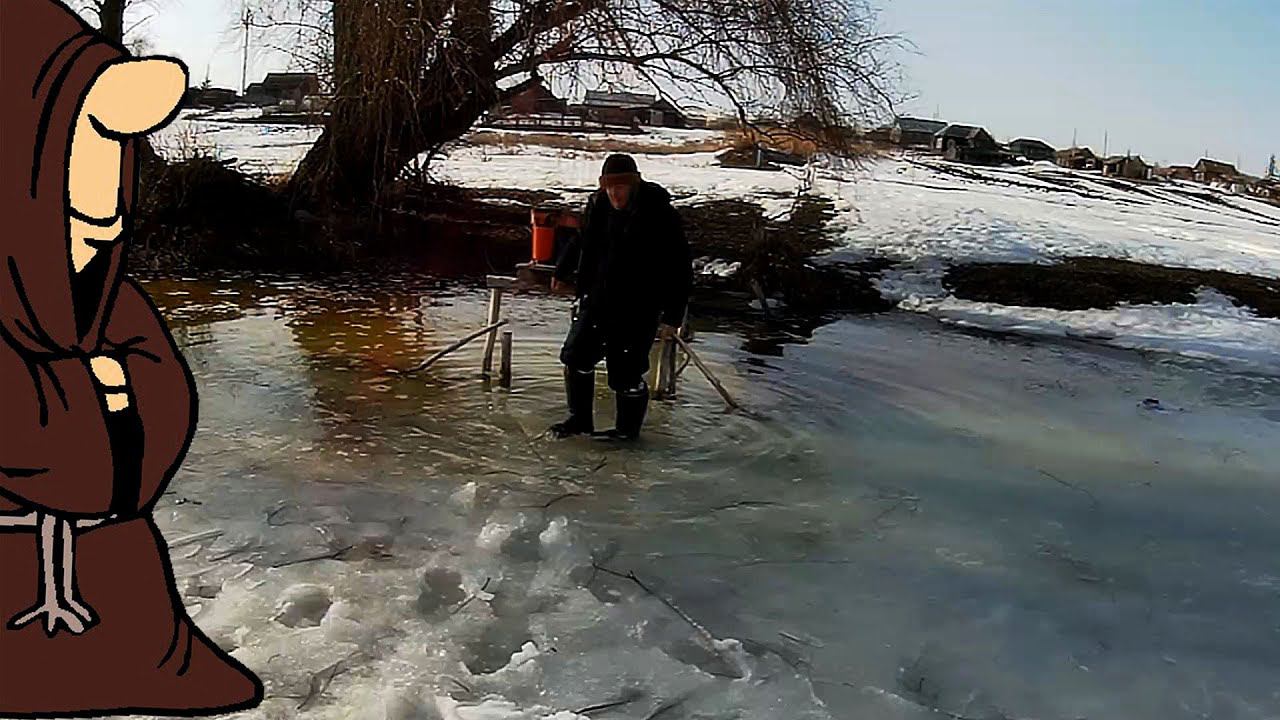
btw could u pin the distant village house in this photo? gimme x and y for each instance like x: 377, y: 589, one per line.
x: 1247, y: 184
x: 1268, y: 189
x: 914, y: 132
x: 1032, y: 149
x: 1211, y: 171
x: 209, y: 97
x: 279, y: 88
x: 967, y: 143
x: 1175, y: 172
x: 531, y: 97
x: 1130, y: 167
x: 630, y: 109
x: 1078, y: 158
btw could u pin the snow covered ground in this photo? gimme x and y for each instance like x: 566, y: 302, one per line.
x: 256, y: 148
x: 927, y: 216
x: 915, y: 210
x: 924, y: 213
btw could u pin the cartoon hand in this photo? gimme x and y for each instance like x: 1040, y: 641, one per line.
x: 108, y: 371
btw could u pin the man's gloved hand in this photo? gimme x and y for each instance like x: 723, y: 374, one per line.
x: 667, y: 332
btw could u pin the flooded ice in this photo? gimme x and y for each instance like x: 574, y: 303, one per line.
x: 910, y: 522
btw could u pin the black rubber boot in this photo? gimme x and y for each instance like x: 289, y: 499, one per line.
x: 580, y: 391
x: 632, y: 406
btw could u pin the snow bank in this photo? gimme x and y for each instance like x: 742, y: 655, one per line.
x: 255, y: 148
x: 929, y: 217
x: 1212, y: 328
x: 915, y: 210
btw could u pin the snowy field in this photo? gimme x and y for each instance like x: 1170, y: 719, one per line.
x: 923, y: 213
x: 256, y: 148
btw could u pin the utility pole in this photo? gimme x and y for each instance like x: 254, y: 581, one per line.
x: 1106, y: 137
x: 1073, y: 137
x: 246, y: 20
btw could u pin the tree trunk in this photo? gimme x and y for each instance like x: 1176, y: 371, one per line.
x: 111, y: 19
x: 386, y: 108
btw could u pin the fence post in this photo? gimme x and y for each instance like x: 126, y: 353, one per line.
x: 495, y: 311
x: 504, y: 363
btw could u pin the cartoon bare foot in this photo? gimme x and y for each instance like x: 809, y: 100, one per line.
x: 52, y: 614
x: 57, y: 605
x: 67, y: 595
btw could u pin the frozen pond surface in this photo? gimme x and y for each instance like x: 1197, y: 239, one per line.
x: 912, y: 518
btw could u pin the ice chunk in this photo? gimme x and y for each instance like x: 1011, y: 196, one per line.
x: 465, y: 497
x: 402, y: 704
x: 555, y: 536
x: 341, y: 624
x: 495, y: 533
x: 302, y: 605
x: 195, y: 587
x: 439, y: 588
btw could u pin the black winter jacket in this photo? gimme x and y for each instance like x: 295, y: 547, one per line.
x: 631, y: 264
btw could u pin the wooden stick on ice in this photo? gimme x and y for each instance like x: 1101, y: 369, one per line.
x: 706, y: 371
x: 432, y: 360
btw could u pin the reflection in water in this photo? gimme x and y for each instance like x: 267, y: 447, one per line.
x: 910, y: 518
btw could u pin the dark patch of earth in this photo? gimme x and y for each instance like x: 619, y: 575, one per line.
x: 1086, y: 283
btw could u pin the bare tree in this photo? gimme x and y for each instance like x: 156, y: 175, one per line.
x: 110, y: 15
x: 410, y: 75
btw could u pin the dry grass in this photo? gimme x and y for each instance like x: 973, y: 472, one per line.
x: 789, y: 141
x: 638, y: 145
x: 742, y: 140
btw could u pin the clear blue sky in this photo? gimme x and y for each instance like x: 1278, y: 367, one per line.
x: 1167, y: 79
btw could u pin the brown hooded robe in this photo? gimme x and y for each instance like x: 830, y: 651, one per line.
x: 143, y: 653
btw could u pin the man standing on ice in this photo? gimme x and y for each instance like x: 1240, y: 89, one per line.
x: 631, y: 273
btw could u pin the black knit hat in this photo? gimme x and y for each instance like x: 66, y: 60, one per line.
x: 619, y: 168
x: 619, y: 163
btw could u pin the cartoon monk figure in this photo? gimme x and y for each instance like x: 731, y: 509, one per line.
x: 97, y: 406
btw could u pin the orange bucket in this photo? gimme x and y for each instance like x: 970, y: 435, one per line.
x: 544, y: 242
x: 544, y: 234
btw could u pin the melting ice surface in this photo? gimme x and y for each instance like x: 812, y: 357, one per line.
x: 912, y: 519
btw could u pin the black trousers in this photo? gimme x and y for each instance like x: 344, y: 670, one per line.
x: 622, y: 342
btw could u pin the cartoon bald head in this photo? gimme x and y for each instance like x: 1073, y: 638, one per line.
x: 73, y: 106
x: 130, y: 98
